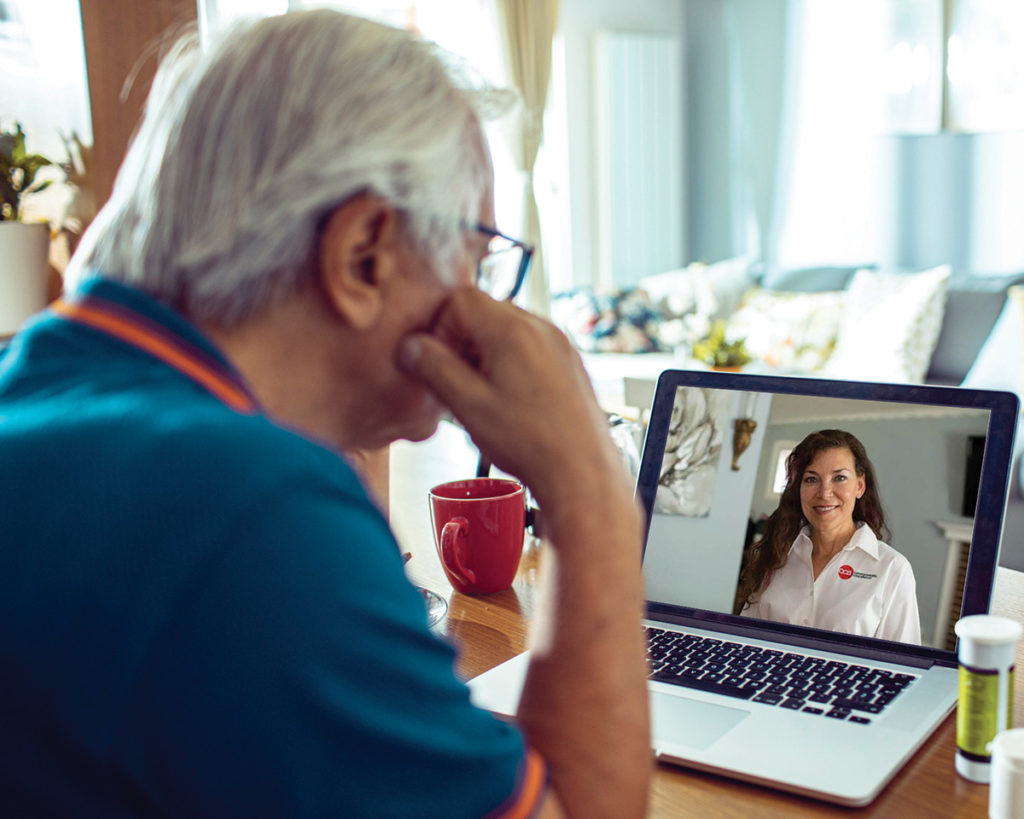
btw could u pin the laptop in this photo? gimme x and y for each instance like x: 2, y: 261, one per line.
x: 712, y: 471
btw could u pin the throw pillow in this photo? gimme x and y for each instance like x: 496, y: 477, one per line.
x: 795, y: 332
x: 999, y: 362
x: 891, y: 322
x: 623, y: 321
x: 692, y: 298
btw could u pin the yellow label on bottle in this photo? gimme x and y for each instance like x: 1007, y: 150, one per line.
x: 977, y: 712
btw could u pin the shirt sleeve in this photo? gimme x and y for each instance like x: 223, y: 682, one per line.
x: 901, y: 620
x: 756, y: 608
x: 298, y: 677
x: 752, y: 610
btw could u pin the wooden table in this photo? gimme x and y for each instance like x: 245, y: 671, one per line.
x: 489, y: 630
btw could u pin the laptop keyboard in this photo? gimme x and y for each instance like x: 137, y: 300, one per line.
x: 813, y: 685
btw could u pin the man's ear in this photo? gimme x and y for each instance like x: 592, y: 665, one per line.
x: 357, y: 254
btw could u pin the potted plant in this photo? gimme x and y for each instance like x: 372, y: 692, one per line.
x: 720, y: 354
x: 24, y: 247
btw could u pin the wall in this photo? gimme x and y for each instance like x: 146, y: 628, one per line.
x: 735, y: 60
x: 638, y: 130
x: 135, y: 26
x: 952, y: 198
x: 696, y: 561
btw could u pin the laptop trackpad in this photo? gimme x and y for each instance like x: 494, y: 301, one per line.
x: 695, y: 724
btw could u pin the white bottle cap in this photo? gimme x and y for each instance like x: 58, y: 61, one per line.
x: 1009, y: 745
x: 988, y: 629
x: 987, y: 641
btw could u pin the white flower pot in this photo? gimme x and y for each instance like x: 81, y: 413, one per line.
x: 24, y: 257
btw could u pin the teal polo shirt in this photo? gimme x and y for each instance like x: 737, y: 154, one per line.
x: 201, y: 612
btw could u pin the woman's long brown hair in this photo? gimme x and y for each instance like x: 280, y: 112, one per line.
x: 785, y: 523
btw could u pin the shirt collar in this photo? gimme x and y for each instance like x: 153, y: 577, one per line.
x: 863, y: 539
x: 141, y: 321
x: 802, y: 544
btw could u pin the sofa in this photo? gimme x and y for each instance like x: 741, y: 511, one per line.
x: 936, y: 326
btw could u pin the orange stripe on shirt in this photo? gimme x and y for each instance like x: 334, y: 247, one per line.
x: 138, y: 336
x: 529, y: 788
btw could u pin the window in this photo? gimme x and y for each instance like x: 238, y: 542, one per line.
x: 42, y: 62
x: 986, y: 66
x: 865, y: 112
x: 777, y: 482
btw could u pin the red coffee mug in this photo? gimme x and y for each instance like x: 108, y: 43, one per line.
x: 479, y: 526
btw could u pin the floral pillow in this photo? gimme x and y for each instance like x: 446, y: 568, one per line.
x: 690, y: 300
x: 623, y: 321
x: 890, y: 326
x: 794, y: 332
x: 665, y: 311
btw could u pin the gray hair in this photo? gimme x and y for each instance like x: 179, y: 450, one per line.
x: 247, y: 146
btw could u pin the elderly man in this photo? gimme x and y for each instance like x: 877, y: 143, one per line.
x: 203, y: 614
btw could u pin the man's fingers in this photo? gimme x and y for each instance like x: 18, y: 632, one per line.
x: 472, y: 315
x: 448, y: 375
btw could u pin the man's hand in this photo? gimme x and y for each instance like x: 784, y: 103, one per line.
x: 520, y: 389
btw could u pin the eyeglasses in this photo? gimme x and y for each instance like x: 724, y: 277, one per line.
x: 502, y: 271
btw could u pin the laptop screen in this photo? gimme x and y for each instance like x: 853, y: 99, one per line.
x: 832, y: 509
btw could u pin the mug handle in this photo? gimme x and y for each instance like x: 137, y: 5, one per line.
x: 453, y: 535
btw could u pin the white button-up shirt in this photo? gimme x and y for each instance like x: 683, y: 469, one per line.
x: 867, y: 588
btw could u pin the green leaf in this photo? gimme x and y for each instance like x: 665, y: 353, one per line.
x: 35, y: 162
x: 18, y: 152
x: 715, y: 351
x: 18, y: 170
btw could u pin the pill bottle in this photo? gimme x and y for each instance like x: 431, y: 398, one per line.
x: 986, y: 657
x: 1006, y: 790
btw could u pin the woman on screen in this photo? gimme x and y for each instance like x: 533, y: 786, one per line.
x: 821, y: 560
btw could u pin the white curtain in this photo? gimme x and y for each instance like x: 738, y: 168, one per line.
x: 827, y: 201
x: 758, y: 37
x: 528, y: 28
x: 863, y: 75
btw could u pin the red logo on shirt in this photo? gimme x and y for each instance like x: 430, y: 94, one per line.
x: 845, y: 572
